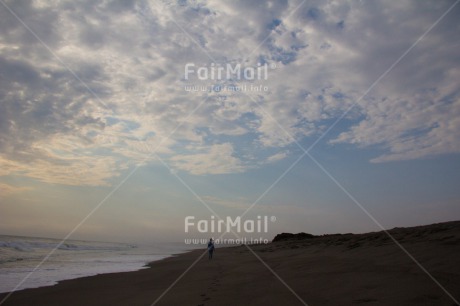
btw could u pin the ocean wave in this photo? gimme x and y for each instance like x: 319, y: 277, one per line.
x: 18, y: 246
x: 8, y: 260
x: 31, y: 246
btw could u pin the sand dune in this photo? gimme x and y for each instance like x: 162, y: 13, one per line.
x: 342, y: 269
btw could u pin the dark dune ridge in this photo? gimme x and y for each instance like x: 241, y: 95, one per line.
x: 338, y: 269
x: 442, y: 232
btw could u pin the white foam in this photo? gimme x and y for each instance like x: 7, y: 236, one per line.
x: 73, y: 259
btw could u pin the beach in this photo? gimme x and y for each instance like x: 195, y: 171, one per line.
x: 346, y: 269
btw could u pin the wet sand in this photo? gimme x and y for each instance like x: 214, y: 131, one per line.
x: 365, y: 269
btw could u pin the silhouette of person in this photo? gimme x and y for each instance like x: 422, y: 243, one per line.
x: 210, y: 248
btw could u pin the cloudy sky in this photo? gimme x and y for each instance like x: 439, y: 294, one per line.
x: 358, y: 115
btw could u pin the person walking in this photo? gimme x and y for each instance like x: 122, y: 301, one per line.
x: 210, y: 248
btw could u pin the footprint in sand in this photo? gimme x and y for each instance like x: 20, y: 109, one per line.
x: 215, y: 282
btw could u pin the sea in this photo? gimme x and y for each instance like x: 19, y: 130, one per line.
x: 29, y: 262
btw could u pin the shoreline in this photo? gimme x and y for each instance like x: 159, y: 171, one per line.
x: 20, y: 256
x: 349, y: 269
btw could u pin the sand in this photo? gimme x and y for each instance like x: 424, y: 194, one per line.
x: 365, y: 269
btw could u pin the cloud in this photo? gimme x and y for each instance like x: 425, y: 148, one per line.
x: 409, y: 129
x: 77, y: 171
x: 7, y: 189
x: 276, y: 157
x: 218, y: 159
x: 128, y: 97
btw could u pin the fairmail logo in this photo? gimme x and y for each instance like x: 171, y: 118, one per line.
x: 228, y: 224
x: 219, y: 72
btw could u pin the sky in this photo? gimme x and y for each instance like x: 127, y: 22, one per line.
x: 105, y: 134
